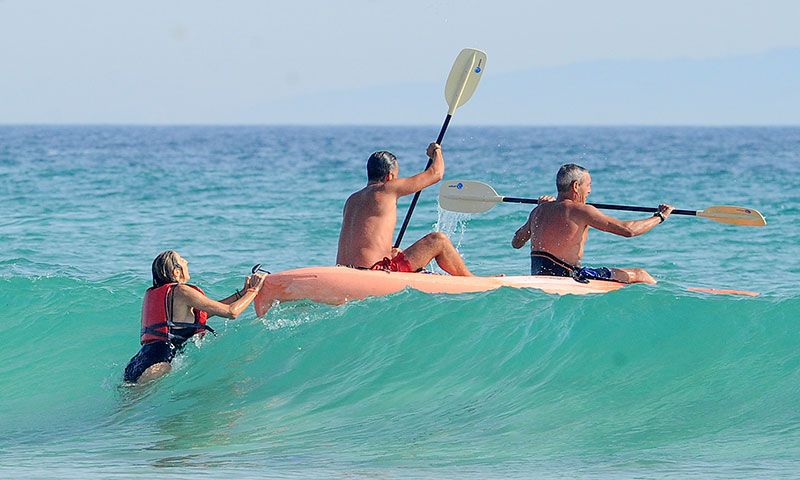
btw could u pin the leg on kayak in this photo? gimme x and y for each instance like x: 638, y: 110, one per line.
x: 631, y: 275
x: 436, y: 246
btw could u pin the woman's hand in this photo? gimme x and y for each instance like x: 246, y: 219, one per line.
x: 247, y: 281
x: 256, y: 281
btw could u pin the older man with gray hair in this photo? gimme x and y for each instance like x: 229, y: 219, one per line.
x: 558, y: 227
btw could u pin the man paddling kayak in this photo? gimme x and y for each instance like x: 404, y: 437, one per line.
x: 558, y: 228
x: 370, y: 216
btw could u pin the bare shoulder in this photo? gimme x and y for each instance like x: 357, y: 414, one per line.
x: 392, y: 186
x: 356, y: 198
x: 581, y: 212
x: 350, y: 199
x: 183, y: 290
x: 373, y: 190
x: 545, y: 208
x: 539, y: 213
x: 579, y: 207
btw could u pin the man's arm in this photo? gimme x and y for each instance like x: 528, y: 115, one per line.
x: 625, y: 228
x: 407, y: 186
x: 523, y: 233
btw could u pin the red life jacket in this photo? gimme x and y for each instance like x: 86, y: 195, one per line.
x: 157, y: 324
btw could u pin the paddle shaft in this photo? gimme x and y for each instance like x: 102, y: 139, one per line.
x: 416, y: 195
x: 605, y: 206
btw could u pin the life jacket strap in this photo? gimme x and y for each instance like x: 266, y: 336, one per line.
x: 197, y: 326
x: 153, y: 331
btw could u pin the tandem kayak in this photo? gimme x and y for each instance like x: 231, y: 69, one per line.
x: 337, y: 285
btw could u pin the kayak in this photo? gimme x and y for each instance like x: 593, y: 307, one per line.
x: 337, y: 285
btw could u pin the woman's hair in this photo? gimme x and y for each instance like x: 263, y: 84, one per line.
x: 164, y: 266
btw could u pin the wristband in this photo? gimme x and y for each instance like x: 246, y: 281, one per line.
x: 660, y: 216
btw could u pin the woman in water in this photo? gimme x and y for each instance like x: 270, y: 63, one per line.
x: 173, y: 311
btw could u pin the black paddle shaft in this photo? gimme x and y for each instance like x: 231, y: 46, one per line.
x: 606, y: 206
x: 416, y: 195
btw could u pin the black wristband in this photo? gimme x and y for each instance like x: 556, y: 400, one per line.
x: 660, y: 216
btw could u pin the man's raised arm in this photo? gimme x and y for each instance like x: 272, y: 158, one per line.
x: 407, y: 186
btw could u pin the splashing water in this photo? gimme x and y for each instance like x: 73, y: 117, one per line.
x: 452, y: 224
x: 645, y: 382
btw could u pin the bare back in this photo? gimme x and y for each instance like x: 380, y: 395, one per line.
x: 368, y: 222
x: 370, y: 214
x: 560, y: 229
x: 559, y: 226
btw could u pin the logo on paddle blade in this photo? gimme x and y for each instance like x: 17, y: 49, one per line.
x: 478, y: 68
x: 460, y: 185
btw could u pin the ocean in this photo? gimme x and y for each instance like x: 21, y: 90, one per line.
x: 645, y: 382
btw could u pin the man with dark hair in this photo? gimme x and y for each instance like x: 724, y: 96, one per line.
x: 380, y: 165
x: 558, y: 227
x: 370, y: 215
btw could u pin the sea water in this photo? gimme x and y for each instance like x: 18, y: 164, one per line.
x: 648, y: 381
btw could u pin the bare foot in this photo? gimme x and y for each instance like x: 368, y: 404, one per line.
x: 632, y: 275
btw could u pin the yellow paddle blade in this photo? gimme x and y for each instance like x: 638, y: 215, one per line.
x: 467, y: 196
x: 464, y: 77
x: 734, y: 215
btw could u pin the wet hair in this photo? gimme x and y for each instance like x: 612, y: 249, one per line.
x: 567, y: 174
x: 164, y: 267
x: 379, y: 165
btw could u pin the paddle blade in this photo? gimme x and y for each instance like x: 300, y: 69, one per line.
x: 464, y: 77
x: 734, y: 215
x: 717, y: 291
x: 466, y: 196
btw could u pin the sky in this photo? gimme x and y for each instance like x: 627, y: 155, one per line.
x: 272, y: 62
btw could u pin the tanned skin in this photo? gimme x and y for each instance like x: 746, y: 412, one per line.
x: 370, y: 216
x: 559, y: 226
x: 186, y: 299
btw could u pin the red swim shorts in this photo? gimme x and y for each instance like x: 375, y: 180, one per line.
x: 397, y: 264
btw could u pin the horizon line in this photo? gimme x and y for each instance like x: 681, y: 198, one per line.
x: 404, y: 125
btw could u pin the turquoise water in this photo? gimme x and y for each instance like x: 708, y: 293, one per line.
x: 643, y: 382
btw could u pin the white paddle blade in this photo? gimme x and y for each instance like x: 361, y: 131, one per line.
x: 464, y: 77
x: 466, y: 196
x: 734, y: 215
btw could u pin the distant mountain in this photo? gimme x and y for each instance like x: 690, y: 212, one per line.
x: 761, y: 89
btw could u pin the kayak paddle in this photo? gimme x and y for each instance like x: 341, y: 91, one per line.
x: 467, y: 196
x: 461, y: 84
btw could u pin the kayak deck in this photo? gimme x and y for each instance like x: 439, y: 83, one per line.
x: 337, y: 285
